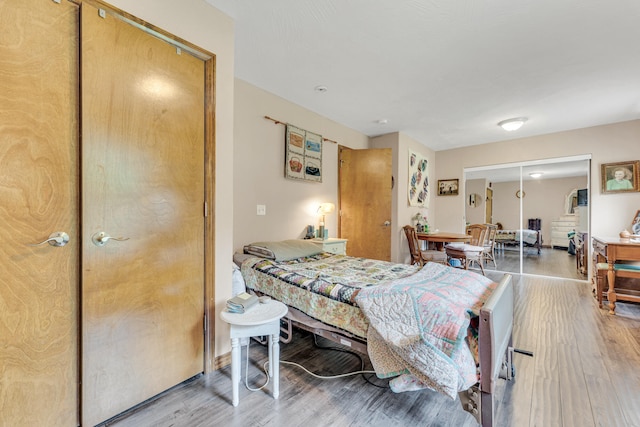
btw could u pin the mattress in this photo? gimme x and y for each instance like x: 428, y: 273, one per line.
x: 324, y: 286
x: 529, y: 237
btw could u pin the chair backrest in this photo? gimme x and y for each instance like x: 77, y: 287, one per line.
x: 414, y: 244
x: 492, y: 229
x: 478, y: 233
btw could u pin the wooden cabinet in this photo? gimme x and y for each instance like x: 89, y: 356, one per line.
x: 560, y: 228
x: 615, y: 252
x: 335, y: 246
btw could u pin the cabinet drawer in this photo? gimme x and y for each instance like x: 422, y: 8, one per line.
x: 334, y: 246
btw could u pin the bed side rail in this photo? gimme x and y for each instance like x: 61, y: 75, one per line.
x: 495, y: 330
x: 494, y: 343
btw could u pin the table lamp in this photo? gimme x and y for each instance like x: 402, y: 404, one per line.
x: 323, y: 209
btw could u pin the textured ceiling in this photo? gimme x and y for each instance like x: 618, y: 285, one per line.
x: 444, y: 72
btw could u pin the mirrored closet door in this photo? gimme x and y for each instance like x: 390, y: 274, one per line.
x: 541, y: 221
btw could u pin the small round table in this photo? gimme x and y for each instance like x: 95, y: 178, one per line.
x: 261, y: 319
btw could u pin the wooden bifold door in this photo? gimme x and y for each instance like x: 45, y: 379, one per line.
x: 142, y: 215
x: 38, y: 199
x: 110, y: 312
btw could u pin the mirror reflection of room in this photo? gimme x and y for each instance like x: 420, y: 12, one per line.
x: 542, y: 219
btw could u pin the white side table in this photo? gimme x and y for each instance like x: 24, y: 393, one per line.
x: 261, y: 319
x: 333, y: 245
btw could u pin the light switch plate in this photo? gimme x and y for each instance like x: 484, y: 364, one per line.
x: 261, y: 209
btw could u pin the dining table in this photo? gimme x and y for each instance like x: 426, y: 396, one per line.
x: 440, y: 238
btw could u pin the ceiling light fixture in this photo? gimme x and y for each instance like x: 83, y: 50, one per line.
x: 321, y: 89
x: 535, y: 174
x: 512, y: 124
x: 382, y: 121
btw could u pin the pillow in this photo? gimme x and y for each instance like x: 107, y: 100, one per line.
x: 259, y: 251
x: 284, y: 250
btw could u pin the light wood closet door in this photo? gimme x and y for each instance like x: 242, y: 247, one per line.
x: 143, y: 185
x: 38, y: 196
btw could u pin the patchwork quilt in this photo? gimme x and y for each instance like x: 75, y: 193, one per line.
x: 324, y: 286
x: 419, y: 328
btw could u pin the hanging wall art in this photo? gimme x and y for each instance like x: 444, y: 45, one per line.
x: 303, y: 159
x: 418, y: 186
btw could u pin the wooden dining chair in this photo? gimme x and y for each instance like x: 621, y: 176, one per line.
x: 488, y: 255
x: 468, y: 253
x: 418, y: 256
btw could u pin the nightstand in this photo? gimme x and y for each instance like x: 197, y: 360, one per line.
x: 332, y: 245
x: 261, y: 319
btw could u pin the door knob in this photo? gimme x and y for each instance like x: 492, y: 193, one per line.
x: 387, y: 223
x: 59, y: 238
x: 101, y: 238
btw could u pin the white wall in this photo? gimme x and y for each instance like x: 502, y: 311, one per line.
x: 258, y: 176
x: 476, y: 214
x: 544, y: 199
x: 402, y: 213
x: 610, y: 213
x: 204, y: 26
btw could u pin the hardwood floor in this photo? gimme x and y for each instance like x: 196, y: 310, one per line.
x: 550, y: 262
x: 583, y: 373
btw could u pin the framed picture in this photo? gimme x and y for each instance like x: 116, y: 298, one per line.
x: 447, y: 187
x: 621, y: 177
x: 635, y: 225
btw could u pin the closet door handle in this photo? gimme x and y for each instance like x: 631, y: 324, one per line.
x: 387, y: 223
x: 101, y: 238
x: 59, y: 238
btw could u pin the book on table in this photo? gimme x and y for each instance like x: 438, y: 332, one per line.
x: 241, y: 303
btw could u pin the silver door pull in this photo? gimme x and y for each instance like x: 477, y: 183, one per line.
x: 59, y: 238
x: 101, y: 238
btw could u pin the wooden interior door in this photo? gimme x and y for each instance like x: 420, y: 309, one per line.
x: 488, y: 217
x: 39, y: 196
x: 142, y: 185
x: 365, y: 179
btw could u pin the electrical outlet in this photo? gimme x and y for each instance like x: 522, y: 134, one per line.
x: 261, y: 210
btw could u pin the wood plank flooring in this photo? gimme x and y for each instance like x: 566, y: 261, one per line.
x: 584, y: 373
x: 550, y: 262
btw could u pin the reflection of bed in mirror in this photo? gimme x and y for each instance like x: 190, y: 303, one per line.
x: 339, y: 297
x: 512, y: 238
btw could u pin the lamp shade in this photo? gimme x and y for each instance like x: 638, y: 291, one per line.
x: 326, y: 208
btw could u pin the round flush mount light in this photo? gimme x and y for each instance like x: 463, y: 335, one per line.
x: 512, y: 124
x: 535, y: 174
x: 321, y: 89
x: 382, y: 121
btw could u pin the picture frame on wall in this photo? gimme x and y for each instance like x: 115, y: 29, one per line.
x: 620, y: 177
x: 448, y: 187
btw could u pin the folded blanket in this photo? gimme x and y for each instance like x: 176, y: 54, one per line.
x: 418, y: 328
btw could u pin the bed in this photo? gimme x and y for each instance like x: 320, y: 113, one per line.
x: 429, y: 326
x: 530, y: 238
